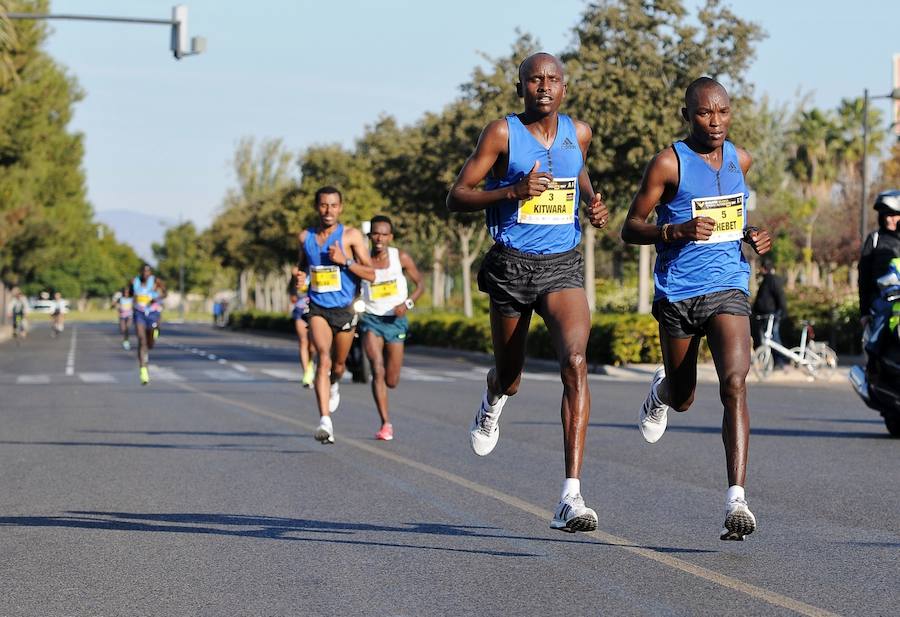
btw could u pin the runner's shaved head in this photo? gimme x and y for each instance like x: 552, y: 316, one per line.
x: 699, y: 85
x: 528, y: 62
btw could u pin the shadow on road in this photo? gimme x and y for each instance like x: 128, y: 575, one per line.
x: 194, y: 433
x: 221, y: 447
x: 716, y: 430
x: 281, y: 528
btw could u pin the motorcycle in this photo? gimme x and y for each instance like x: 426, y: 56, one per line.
x: 878, y: 383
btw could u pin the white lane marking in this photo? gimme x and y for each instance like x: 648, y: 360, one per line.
x: 70, y: 360
x: 226, y: 374
x: 760, y: 593
x: 282, y: 373
x: 163, y: 373
x: 211, y: 356
x: 413, y: 374
x: 468, y: 375
x: 239, y: 367
x: 32, y: 379
x: 540, y: 377
x: 96, y: 378
x: 223, y: 361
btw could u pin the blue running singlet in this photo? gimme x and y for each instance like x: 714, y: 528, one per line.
x: 145, y: 295
x: 330, y: 285
x: 687, y: 269
x: 547, y: 224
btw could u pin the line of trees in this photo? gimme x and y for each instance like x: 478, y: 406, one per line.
x: 48, y: 238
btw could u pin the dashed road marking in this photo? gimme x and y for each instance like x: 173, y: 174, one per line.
x: 97, y: 378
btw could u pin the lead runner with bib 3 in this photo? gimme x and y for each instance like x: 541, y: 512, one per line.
x: 702, y: 279
x: 533, y: 163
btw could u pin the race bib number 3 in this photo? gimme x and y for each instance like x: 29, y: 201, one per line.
x: 385, y: 289
x: 555, y: 206
x: 325, y: 279
x: 728, y: 213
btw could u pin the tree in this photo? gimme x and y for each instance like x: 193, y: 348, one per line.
x: 182, y: 249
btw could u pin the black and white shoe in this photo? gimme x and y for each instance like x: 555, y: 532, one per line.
x: 739, y: 521
x: 572, y: 515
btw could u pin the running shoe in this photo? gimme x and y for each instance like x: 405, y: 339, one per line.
x: 325, y: 432
x: 572, y: 515
x: 386, y: 433
x: 485, y: 429
x: 652, y: 418
x: 126, y: 345
x: 334, y: 399
x: 309, y: 375
x: 145, y: 376
x: 739, y: 521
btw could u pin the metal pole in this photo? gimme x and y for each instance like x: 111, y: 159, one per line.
x: 181, y: 274
x: 126, y: 20
x: 863, y: 222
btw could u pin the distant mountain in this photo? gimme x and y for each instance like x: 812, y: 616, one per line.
x: 137, y: 229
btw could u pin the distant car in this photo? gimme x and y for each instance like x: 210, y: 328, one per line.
x: 48, y: 306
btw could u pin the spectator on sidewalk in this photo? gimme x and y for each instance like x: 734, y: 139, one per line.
x: 770, y: 300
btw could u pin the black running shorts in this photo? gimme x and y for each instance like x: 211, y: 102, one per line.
x: 690, y: 317
x: 341, y: 319
x: 516, y: 281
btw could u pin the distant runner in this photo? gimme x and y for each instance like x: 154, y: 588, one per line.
x: 336, y: 258
x: 297, y: 289
x: 148, y: 294
x: 125, y: 307
x: 58, y: 319
x: 384, y: 324
x: 17, y: 311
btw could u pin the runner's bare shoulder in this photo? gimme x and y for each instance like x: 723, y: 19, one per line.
x: 744, y: 159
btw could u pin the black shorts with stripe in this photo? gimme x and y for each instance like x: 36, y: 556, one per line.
x: 341, y: 319
x: 517, y: 281
x: 690, y: 317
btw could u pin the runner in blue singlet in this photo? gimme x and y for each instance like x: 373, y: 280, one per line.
x: 336, y: 258
x: 701, y: 278
x: 534, y: 165
x: 148, y: 294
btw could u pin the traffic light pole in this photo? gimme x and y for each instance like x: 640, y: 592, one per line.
x: 178, y: 24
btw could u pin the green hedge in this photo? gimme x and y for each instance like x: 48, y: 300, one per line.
x: 614, y: 339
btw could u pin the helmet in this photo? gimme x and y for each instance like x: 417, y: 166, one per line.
x: 888, y: 202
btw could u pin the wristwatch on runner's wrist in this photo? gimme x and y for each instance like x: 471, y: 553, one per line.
x: 409, y: 303
x: 349, y: 262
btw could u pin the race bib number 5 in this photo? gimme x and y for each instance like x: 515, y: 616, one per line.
x: 555, y: 206
x: 728, y: 213
x: 325, y: 279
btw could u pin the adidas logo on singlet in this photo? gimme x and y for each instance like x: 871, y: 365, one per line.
x: 568, y: 145
x: 733, y: 168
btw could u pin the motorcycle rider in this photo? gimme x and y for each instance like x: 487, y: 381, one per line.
x: 880, y: 247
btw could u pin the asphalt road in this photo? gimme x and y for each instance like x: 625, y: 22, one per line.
x: 205, y: 493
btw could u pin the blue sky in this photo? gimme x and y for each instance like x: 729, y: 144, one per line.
x: 160, y: 133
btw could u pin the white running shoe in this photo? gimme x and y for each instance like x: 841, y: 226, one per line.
x: 485, y: 429
x: 334, y: 399
x: 739, y: 521
x: 572, y: 515
x: 652, y: 418
x: 325, y: 432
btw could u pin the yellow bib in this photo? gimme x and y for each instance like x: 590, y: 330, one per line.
x: 382, y: 290
x: 555, y: 206
x: 143, y: 299
x: 728, y: 213
x: 325, y: 279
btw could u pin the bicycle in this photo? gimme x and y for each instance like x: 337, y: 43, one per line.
x: 818, y: 359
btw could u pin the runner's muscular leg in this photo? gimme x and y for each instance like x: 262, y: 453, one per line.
x: 303, y: 341
x: 374, y: 347
x: 322, y: 338
x: 680, y: 360
x: 729, y: 341
x: 141, y: 330
x: 393, y: 362
x: 343, y: 340
x: 568, y: 318
x: 508, y: 335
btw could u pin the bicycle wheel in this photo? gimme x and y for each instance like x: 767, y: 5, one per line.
x: 763, y: 362
x: 828, y: 360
